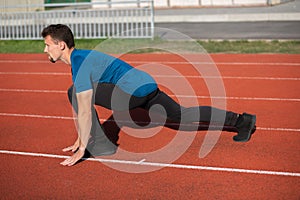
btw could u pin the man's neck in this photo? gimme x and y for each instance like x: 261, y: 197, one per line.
x: 67, y: 56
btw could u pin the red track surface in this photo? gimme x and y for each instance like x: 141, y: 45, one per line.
x: 32, y: 92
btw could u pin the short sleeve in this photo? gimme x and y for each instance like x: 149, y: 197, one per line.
x: 83, y: 80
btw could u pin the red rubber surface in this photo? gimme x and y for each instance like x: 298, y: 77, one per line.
x: 264, y: 84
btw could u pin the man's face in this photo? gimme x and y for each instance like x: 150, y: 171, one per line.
x: 52, y: 48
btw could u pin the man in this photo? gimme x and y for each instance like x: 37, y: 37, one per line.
x: 104, y: 80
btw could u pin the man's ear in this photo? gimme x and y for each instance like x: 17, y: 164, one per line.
x: 62, y: 45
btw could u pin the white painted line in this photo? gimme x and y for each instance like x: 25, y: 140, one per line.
x: 178, y: 96
x: 33, y: 91
x: 237, y: 98
x: 217, y: 63
x: 167, y: 165
x: 128, y: 121
x: 173, y: 62
x: 278, y: 129
x: 36, y: 116
x: 140, y: 162
x: 37, y: 73
x: 168, y: 76
x: 232, y: 77
x: 24, y: 61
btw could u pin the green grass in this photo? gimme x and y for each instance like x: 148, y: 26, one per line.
x: 21, y: 46
x: 275, y: 46
x: 158, y: 45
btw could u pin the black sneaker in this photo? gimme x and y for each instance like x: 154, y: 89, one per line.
x: 245, y: 126
x: 100, y: 146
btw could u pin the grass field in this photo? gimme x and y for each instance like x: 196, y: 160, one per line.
x: 243, y: 46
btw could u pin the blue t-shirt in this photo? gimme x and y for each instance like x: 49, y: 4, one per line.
x: 90, y: 67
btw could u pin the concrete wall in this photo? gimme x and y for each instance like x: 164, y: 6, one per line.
x: 22, y: 3
x: 118, y: 5
x: 157, y: 4
x: 193, y: 3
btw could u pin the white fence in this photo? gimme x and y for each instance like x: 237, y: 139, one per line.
x: 127, y: 22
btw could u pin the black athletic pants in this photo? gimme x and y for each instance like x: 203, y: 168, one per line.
x: 113, y: 98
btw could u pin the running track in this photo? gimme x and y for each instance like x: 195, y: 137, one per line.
x: 36, y: 123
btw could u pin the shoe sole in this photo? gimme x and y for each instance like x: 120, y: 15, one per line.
x: 253, y: 122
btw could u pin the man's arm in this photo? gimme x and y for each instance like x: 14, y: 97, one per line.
x: 84, y: 100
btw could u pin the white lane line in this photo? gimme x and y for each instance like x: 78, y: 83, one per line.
x: 36, y: 73
x: 238, y: 98
x: 168, y: 76
x: 140, y: 162
x: 24, y: 61
x: 216, y: 63
x: 167, y: 165
x: 173, y: 62
x: 36, y: 116
x: 178, y: 96
x: 128, y: 121
x: 33, y: 91
x: 232, y: 77
x: 278, y: 129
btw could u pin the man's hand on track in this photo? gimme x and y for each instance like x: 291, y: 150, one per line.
x: 79, y: 153
x: 74, y: 158
x: 74, y: 147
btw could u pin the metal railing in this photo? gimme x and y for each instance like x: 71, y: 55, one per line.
x: 110, y: 20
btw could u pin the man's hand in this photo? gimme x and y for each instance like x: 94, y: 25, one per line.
x: 74, y: 158
x: 74, y: 147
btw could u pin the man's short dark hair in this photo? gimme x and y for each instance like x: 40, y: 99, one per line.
x: 59, y: 32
